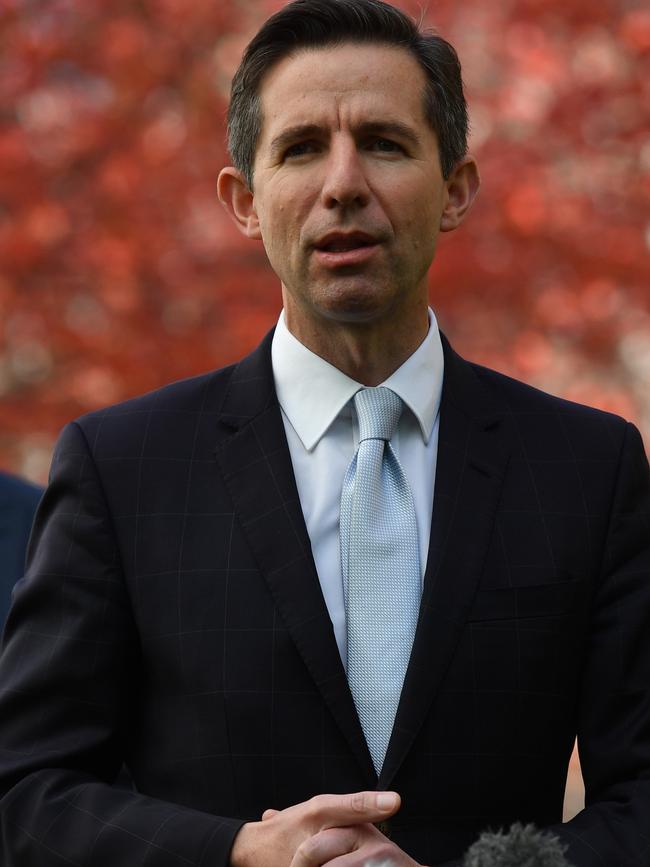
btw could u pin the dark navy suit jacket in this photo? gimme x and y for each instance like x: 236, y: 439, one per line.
x: 172, y: 618
x: 18, y: 501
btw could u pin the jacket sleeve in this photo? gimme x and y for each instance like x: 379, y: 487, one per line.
x: 69, y: 663
x: 614, y: 704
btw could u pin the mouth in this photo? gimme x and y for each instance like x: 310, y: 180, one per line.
x: 337, y: 248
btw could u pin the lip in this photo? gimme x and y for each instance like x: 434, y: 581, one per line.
x: 356, y: 255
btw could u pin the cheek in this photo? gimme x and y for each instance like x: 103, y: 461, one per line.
x: 410, y: 209
x: 280, y: 237
x: 419, y: 230
x: 282, y: 223
x: 428, y: 222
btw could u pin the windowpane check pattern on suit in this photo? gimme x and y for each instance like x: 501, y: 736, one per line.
x: 381, y: 568
x: 171, y: 618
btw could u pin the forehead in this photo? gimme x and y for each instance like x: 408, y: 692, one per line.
x: 347, y: 80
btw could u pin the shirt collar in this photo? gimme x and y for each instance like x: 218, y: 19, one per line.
x: 312, y: 392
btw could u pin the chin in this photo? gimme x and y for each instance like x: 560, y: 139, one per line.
x: 357, y: 305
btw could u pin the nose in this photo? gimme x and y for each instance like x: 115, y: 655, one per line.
x: 345, y: 183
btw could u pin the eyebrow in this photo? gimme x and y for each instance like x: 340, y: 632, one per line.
x: 379, y: 127
x: 292, y: 134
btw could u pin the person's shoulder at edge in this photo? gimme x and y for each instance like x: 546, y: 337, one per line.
x: 17, y: 492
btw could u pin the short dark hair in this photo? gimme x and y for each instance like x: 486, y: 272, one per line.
x: 305, y: 24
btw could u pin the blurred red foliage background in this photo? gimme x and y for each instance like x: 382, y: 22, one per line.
x: 119, y: 270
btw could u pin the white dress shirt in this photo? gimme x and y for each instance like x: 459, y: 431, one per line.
x: 323, y: 435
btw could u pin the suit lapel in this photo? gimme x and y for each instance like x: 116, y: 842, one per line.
x: 254, y: 458
x: 473, y: 452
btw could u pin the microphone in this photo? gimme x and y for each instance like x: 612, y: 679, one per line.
x: 521, y: 846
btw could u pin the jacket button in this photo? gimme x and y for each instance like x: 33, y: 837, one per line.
x: 384, y: 827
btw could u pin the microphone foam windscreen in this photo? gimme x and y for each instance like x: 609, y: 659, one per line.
x: 521, y: 846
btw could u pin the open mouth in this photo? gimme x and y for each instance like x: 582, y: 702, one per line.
x: 346, y: 252
x: 344, y: 245
x: 341, y: 249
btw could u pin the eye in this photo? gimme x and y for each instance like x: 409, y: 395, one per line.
x: 386, y: 146
x: 299, y: 149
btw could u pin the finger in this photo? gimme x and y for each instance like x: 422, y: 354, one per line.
x: 361, y: 859
x: 373, y: 855
x: 332, y: 811
x: 269, y: 814
x: 322, y: 847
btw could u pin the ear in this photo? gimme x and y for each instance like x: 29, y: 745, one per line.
x: 462, y: 186
x: 239, y: 201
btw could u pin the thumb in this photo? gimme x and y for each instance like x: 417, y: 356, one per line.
x: 269, y: 814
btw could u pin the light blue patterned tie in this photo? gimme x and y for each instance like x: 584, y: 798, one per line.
x: 381, y: 569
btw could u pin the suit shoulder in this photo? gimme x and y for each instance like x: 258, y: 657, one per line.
x: 173, y: 410
x: 530, y: 406
x: 180, y: 395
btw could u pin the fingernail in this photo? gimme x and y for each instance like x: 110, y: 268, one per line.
x: 386, y: 800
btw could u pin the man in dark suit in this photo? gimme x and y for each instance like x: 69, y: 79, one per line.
x: 186, y: 610
x: 18, y: 501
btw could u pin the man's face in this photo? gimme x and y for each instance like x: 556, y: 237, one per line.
x: 348, y: 188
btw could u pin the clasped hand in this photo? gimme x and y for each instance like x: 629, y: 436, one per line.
x: 328, y: 829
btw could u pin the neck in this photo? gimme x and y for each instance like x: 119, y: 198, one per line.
x: 367, y: 352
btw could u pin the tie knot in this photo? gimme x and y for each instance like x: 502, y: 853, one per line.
x: 378, y: 411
